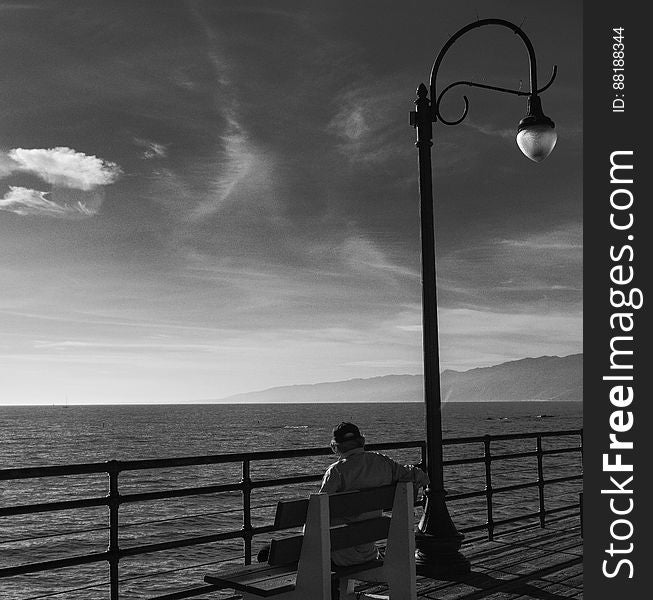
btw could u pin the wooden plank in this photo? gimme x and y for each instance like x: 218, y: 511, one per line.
x: 349, y: 504
x: 273, y: 586
x: 353, y: 569
x: 249, y: 574
x: 285, y: 551
x: 264, y: 580
x: 359, y: 532
x: 242, y: 569
x: 291, y: 513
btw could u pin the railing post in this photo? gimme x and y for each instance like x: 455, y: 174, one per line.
x: 488, y: 486
x: 114, y: 548
x: 246, y: 482
x: 580, y: 496
x: 540, y: 481
x: 422, y: 465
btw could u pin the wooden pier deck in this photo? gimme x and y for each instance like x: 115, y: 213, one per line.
x: 546, y: 564
x: 533, y: 563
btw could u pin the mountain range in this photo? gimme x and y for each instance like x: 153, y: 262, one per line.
x: 529, y: 379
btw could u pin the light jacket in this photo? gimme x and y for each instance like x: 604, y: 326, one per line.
x: 357, y: 470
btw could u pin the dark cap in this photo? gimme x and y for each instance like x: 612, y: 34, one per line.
x: 346, y: 432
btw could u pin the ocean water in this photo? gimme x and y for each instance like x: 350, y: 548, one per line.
x: 37, y: 436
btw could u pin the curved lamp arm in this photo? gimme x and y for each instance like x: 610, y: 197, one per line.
x: 437, y: 98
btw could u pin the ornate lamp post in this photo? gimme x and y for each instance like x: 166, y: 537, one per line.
x: 438, y: 542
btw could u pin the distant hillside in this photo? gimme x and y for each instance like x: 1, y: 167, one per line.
x: 543, y: 378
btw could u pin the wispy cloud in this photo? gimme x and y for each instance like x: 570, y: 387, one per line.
x: 484, y: 337
x: 24, y: 201
x: 521, y: 271
x: 493, y: 131
x: 151, y: 149
x: 564, y: 239
x: 65, y: 167
x: 236, y: 158
x: 362, y: 121
x: 364, y: 256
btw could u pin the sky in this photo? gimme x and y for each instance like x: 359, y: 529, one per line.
x: 204, y: 198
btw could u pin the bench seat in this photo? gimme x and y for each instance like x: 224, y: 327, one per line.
x: 266, y: 580
x: 263, y: 580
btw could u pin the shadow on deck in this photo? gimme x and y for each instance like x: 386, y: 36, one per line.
x: 546, y: 564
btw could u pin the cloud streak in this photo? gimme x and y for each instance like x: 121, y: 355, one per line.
x: 151, y: 149
x: 361, y: 123
x: 27, y: 202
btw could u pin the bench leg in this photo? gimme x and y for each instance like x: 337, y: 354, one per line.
x: 399, y: 562
x: 346, y: 587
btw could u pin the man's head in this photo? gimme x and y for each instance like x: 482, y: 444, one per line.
x: 346, y: 437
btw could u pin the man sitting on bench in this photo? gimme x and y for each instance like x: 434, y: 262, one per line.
x: 368, y: 480
x: 358, y: 469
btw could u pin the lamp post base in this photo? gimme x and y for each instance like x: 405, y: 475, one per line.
x: 438, y: 542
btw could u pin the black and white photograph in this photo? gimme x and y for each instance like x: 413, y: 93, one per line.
x: 292, y: 300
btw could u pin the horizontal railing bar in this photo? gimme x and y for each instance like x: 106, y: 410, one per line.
x: 70, y: 533
x: 563, y: 479
x: 465, y: 495
x: 562, y: 450
x: 393, y: 445
x: 510, y: 488
x: 517, y: 518
x: 49, y: 565
x: 25, y: 509
x: 513, y: 455
x: 97, y: 584
x: 53, y: 471
x: 557, y: 509
x: 525, y: 454
x: 202, y: 515
x: 180, y: 543
x: 510, y: 436
x: 262, y: 483
x: 514, y: 486
x: 180, y: 492
x: 481, y: 459
x: 545, y: 482
x: 463, y: 461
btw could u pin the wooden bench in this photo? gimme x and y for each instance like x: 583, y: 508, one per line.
x: 299, y: 567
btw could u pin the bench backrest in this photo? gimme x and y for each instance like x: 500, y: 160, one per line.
x: 292, y: 513
x: 346, y: 504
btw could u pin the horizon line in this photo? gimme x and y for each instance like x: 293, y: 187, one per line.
x: 217, y: 402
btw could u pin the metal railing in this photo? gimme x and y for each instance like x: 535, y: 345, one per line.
x: 114, y: 500
x: 540, y: 483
